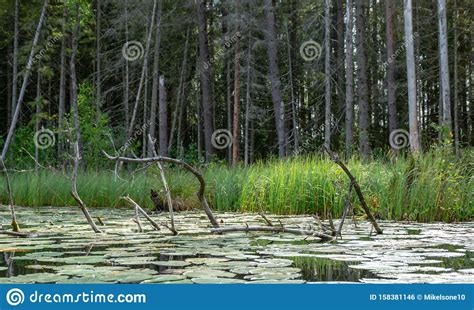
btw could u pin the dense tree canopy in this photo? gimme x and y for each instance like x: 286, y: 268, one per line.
x: 279, y: 78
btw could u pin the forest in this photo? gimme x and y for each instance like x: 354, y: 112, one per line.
x: 273, y: 110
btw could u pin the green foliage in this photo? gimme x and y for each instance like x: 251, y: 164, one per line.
x: 432, y: 187
x: 95, y: 132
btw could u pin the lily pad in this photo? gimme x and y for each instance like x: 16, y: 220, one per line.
x: 217, y: 281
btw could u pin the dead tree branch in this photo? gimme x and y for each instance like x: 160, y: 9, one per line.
x: 139, y: 209
x: 165, y: 185
x: 347, y: 207
x: 266, y: 219
x: 353, y: 180
x: 188, y: 167
x: 74, y: 193
x: 15, y: 226
x: 282, y: 229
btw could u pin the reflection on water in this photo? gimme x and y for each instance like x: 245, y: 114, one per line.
x: 67, y: 251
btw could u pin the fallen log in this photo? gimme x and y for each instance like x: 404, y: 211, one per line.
x: 282, y: 229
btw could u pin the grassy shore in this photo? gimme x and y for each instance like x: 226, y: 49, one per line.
x: 433, y: 187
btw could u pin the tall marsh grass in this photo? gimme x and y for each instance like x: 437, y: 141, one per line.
x: 432, y: 187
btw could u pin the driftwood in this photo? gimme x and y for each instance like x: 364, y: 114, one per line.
x: 188, y: 167
x: 143, y: 212
x: 347, y: 207
x: 283, y: 229
x: 74, y: 193
x: 18, y: 234
x: 358, y: 191
x: 15, y: 226
x: 165, y: 185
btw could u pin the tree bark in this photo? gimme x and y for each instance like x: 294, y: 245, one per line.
x: 272, y: 50
x: 327, y: 74
x: 236, y: 118
x: 248, y: 104
x: 444, y: 66
x: 349, y: 110
x: 15, y: 56
x: 455, y: 77
x: 163, y: 119
x: 62, y: 91
x: 391, y: 84
x: 411, y: 79
x: 205, y: 67
x: 98, y: 64
x: 179, y: 94
x: 73, y: 76
x: 362, y: 85
x: 126, y: 93
x: 37, y: 117
x: 156, y: 76
x: 339, y: 62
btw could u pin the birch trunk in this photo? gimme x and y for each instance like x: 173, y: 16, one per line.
x: 411, y: 78
x: 16, y: 114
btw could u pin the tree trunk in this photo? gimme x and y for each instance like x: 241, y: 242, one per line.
x: 349, y: 111
x: 62, y: 91
x: 236, y: 118
x: 97, y: 56
x: 16, y: 114
x: 126, y: 93
x: 340, y: 71
x: 156, y: 76
x: 327, y: 74
x: 278, y: 107
x: 163, y: 119
x: 294, y: 121
x: 455, y: 77
x: 205, y: 68
x: 391, y: 84
x: 362, y: 87
x: 142, y: 77
x: 179, y: 94
x: 73, y: 76
x: 248, y: 104
x: 15, y: 56
x: 37, y: 117
x: 411, y: 79
x: 444, y: 67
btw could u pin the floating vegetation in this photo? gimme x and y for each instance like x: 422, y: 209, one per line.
x: 68, y: 252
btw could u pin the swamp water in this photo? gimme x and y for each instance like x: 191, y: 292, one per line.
x: 67, y: 251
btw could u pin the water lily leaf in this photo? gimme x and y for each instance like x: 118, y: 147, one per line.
x: 171, y: 263
x: 164, y: 278
x: 216, y: 281
x: 206, y: 273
